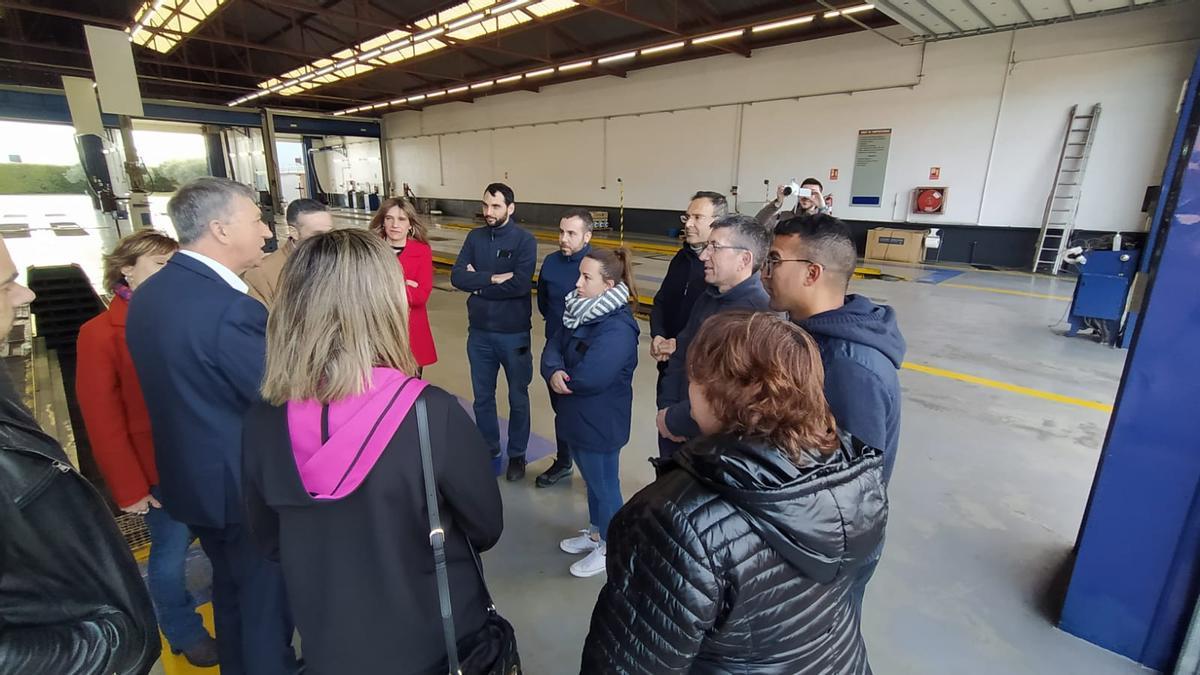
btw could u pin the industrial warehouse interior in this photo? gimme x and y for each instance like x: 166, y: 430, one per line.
x: 1020, y: 180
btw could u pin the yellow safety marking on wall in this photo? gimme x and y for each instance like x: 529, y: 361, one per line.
x: 1005, y: 291
x: 1004, y: 386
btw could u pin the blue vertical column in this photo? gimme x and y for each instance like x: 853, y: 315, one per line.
x: 1137, y: 565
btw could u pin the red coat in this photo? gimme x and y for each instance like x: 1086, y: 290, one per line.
x: 114, y: 411
x: 417, y: 261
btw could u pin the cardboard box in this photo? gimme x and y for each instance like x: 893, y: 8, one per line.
x: 884, y: 243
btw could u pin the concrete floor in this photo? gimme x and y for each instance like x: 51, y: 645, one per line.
x: 986, y: 500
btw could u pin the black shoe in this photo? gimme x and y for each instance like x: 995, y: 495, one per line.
x: 557, y: 471
x: 516, y: 469
x: 201, y: 655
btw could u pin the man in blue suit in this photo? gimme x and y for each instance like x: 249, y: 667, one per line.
x: 198, y: 345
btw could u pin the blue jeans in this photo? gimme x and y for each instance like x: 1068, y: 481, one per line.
x: 489, y: 352
x: 601, y: 472
x: 167, y: 579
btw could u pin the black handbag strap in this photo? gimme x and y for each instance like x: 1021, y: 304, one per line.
x: 437, y: 539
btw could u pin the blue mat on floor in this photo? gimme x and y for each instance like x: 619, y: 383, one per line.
x: 538, y: 447
x: 938, y: 276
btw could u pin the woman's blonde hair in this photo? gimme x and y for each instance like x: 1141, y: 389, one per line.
x: 129, y: 249
x: 340, y: 311
x: 419, y: 231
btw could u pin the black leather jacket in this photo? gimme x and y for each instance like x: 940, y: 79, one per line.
x: 737, y: 561
x: 71, y: 598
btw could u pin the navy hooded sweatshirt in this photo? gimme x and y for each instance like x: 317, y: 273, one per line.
x: 862, y: 349
x: 498, y: 308
x: 599, y: 357
x: 557, y: 278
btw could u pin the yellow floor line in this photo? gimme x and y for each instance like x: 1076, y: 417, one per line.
x: 1005, y: 291
x: 178, y: 665
x: 1004, y: 386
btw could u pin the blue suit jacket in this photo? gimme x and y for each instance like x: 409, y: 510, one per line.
x: 199, y: 348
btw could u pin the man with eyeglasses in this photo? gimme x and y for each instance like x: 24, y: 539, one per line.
x: 684, y: 282
x: 732, y: 255
x: 807, y: 274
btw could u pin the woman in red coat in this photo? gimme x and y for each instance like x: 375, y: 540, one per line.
x: 397, y: 222
x: 118, y: 427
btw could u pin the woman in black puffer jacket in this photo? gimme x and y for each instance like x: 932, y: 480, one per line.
x: 739, y: 558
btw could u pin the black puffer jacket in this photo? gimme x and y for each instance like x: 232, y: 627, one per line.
x: 71, y: 598
x: 694, y: 586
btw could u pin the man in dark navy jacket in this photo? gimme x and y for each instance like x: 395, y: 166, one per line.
x: 198, y: 345
x: 495, y: 266
x: 557, y: 278
x: 684, y: 282
x: 808, y: 274
x: 732, y: 256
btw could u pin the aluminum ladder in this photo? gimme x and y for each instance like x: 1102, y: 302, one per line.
x: 1058, y: 222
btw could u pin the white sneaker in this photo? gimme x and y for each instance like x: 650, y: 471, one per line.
x: 593, y: 564
x: 581, y: 544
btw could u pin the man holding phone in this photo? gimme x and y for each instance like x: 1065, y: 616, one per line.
x: 496, y: 266
x: 809, y: 201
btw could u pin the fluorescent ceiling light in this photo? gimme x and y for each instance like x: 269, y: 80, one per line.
x: 483, y: 85
x: 465, y: 22
x: 429, y: 33
x: 782, y: 24
x: 436, y: 94
x: 507, y: 6
x: 397, y: 101
x: 849, y: 10
x: 379, y: 105
x: 719, y: 36
x: 457, y: 90
x: 618, y: 57
x: 539, y: 73
x: 181, y: 17
x: 574, y: 66
x: 414, y: 99
x: 506, y: 80
x: 339, y: 113
x: 662, y: 48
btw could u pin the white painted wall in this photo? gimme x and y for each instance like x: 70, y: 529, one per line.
x: 949, y: 104
x: 360, y: 163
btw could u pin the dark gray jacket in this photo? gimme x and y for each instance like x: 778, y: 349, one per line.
x: 736, y: 560
x: 673, y: 394
x: 71, y: 597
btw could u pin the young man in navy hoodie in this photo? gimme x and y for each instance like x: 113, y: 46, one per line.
x: 807, y: 274
x: 557, y: 278
x: 495, y: 266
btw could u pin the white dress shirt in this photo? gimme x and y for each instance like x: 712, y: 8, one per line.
x: 224, y: 272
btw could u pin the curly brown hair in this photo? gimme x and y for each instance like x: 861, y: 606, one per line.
x: 762, y: 375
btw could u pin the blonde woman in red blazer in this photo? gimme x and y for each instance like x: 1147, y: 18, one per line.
x: 398, y: 224
x: 118, y: 427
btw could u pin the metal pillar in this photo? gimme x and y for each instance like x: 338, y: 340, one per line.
x: 1137, y: 567
x: 272, y: 160
x: 139, y: 199
x: 215, y: 150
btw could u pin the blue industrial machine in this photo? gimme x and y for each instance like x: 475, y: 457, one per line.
x: 1136, y: 571
x: 1101, y: 293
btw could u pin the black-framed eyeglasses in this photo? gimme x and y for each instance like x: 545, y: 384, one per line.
x: 770, y: 262
x: 685, y: 218
x: 713, y: 247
